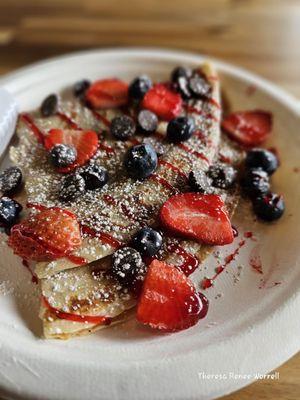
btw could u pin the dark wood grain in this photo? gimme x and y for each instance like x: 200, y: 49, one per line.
x: 261, y: 35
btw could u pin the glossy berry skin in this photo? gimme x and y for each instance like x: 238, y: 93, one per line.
x: 269, y: 207
x: 255, y: 182
x: 147, y: 122
x: 262, y: 158
x: 180, y: 72
x: 199, y: 86
x: 72, y: 187
x: 180, y: 129
x: 127, y: 266
x: 222, y: 175
x: 123, y: 127
x: 200, y: 182
x: 180, y: 77
x: 147, y: 241
x: 62, y: 155
x: 139, y: 87
x: 11, y: 180
x: 81, y: 87
x: 95, y: 177
x: 140, y: 161
x: 9, y: 212
x: 49, y: 105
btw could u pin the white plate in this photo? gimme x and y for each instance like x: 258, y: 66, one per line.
x: 248, y: 329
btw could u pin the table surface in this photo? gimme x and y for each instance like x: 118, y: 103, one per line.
x: 261, y: 35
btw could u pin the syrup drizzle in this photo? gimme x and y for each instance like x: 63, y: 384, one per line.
x: 101, y: 118
x: 194, y: 110
x: 208, y: 282
x: 173, y: 168
x: 163, y: 182
x: 72, y: 124
x: 35, y: 129
x: 193, y: 152
x: 126, y: 211
x: 190, y: 262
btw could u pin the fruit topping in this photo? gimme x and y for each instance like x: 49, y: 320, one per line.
x: 180, y: 77
x: 141, y: 161
x: 9, y: 212
x: 128, y: 266
x: 180, y: 72
x: 269, y: 207
x: 199, y: 86
x: 250, y: 128
x: 262, y: 158
x: 11, y: 180
x: 95, y: 176
x: 49, y: 105
x: 222, y: 175
x: 180, y: 129
x: 199, y: 216
x: 107, y: 93
x: 169, y: 300
x: 80, y: 88
x: 72, y: 187
x: 85, y: 143
x: 147, y: 122
x: 164, y: 102
x: 158, y: 146
x: 123, y: 127
x: 200, y: 182
x: 147, y: 241
x: 139, y: 87
x: 63, y: 155
x: 255, y: 182
x: 53, y: 233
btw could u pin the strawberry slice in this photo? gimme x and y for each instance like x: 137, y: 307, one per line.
x: 107, y: 93
x: 48, y: 235
x: 85, y: 142
x: 165, y: 103
x: 249, y: 128
x: 199, y: 216
x: 168, y: 300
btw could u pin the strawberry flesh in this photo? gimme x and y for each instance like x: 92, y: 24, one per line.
x: 48, y: 235
x: 169, y: 300
x: 199, y: 216
x: 249, y: 128
x: 85, y: 142
x: 107, y: 93
x: 164, y: 102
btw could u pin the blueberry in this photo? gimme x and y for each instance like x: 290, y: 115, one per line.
x: 222, y: 175
x: 147, y: 122
x: 199, y: 86
x: 122, y: 127
x: 72, y: 187
x: 9, y: 212
x: 147, y: 241
x: 255, y: 182
x: 11, y: 180
x: 95, y: 177
x: 180, y: 72
x: 81, y: 87
x: 62, y: 155
x: 127, y: 266
x: 141, y: 161
x: 139, y: 87
x: 270, y: 207
x: 180, y: 129
x: 200, y: 182
x: 49, y: 105
x: 158, y: 146
x: 261, y: 158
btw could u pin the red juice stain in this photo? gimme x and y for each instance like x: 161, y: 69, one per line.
x: 77, y: 260
x: 205, y: 305
x: 34, y: 278
x: 255, y: 260
x: 190, y: 262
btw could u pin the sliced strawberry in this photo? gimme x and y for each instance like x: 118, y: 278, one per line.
x: 50, y: 234
x: 199, y: 216
x: 249, y: 128
x: 164, y: 102
x: 85, y: 142
x: 107, y: 93
x: 168, y: 300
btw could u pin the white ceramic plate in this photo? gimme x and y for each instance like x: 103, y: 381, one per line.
x: 253, y: 323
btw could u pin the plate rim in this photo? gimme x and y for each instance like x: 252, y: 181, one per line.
x: 283, y: 316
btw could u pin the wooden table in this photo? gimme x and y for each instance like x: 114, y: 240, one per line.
x: 262, y: 35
